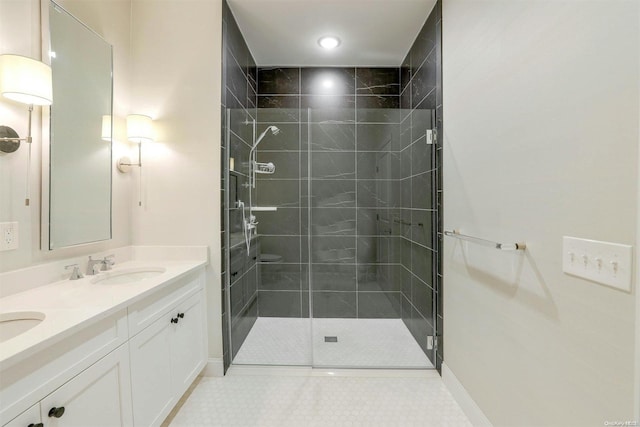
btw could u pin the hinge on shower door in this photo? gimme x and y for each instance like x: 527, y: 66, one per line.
x: 432, y: 136
x: 430, y: 342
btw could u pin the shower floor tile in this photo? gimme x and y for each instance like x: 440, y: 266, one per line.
x: 308, y: 401
x: 361, y: 343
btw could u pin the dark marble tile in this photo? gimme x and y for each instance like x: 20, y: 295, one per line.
x: 333, y: 277
x: 328, y: 108
x: 277, y: 109
x: 332, y: 193
x: 306, y: 300
x: 278, y: 81
x: 405, y: 72
x: 242, y: 325
x: 421, y: 156
x: 287, y: 164
x: 405, y: 253
x: 235, y: 41
x: 421, y: 227
x: 286, y: 246
x: 422, y: 118
x: 405, y: 192
x: 421, y: 191
x: 287, y: 139
x: 405, y: 104
x: 333, y: 249
x: 378, y: 81
x: 373, y: 194
x: 334, y: 304
x: 333, y: 221
x: 279, y: 304
x: 368, y: 222
x: 241, y: 123
x: 422, y: 298
x: 332, y: 137
x: 280, y: 277
x: 285, y: 221
x: 405, y: 282
x: 378, y: 137
x: 370, y: 278
x: 236, y: 80
x: 280, y: 193
x: 328, y: 81
x: 405, y: 136
x: 252, y: 78
x: 239, y: 151
x: 424, y: 83
x: 421, y: 263
x: 250, y: 284
x: 333, y: 165
x: 378, y: 109
x: 425, y: 41
x: 237, y: 297
x: 406, y: 310
x: 379, y: 305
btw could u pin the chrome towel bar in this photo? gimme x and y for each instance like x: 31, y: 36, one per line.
x: 496, y: 245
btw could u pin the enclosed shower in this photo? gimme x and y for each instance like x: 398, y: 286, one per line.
x: 332, y: 203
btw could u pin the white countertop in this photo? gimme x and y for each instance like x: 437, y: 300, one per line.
x: 70, y: 305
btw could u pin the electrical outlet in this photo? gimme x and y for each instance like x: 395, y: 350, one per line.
x: 8, y: 236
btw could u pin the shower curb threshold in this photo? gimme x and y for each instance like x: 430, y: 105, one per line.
x: 307, y: 371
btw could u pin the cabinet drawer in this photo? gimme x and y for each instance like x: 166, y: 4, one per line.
x: 28, y: 417
x: 145, y: 312
x: 38, y: 375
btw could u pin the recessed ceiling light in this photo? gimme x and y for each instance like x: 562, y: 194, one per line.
x: 329, y: 42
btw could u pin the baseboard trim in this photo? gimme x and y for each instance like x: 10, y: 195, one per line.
x: 214, y: 368
x: 464, y: 399
x: 307, y: 371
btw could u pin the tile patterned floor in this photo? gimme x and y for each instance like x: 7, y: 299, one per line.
x: 369, y: 343
x: 310, y: 401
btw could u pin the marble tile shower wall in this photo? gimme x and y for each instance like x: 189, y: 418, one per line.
x: 421, y: 186
x: 337, y: 191
x: 240, y: 272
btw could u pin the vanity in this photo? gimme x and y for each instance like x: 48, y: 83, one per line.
x: 116, y: 349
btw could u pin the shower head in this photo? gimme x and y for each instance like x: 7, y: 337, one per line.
x: 274, y: 130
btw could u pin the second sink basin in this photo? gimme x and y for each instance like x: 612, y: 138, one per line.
x: 16, y: 323
x: 129, y: 275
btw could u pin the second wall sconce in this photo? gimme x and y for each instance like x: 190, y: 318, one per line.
x: 29, y: 82
x: 139, y: 130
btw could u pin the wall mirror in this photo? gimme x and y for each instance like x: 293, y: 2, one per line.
x: 76, y: 188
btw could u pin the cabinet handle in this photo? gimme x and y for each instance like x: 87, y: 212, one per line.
x: 181, y: 315
x: 56, y: 412
x: 174, y: 320
x: 36, y: 425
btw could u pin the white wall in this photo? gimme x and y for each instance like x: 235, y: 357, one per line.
x: 176, y: 79
x: 541, y: 123
x: 20, y: 34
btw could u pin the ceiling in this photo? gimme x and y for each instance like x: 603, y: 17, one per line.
x: 373, y: 32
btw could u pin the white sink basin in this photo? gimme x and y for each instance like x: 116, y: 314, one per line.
x: 16, y: 323
x: 129, y: 275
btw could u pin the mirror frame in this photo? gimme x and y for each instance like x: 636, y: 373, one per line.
x: 45, y: 232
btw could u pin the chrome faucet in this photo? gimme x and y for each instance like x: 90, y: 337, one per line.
x: 94, y: 266
x: 75, y: 274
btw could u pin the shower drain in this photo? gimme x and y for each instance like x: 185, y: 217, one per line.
x: 330, y: 339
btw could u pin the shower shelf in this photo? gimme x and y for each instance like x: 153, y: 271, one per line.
x: 489, y: 243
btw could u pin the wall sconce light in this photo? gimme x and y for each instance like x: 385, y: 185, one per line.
x: 139, y: 130
x: 27, y: 81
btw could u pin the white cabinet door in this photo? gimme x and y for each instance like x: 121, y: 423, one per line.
x: 99, y: 396
x: 30, y: 417
x: 189, y: 342
x: 153, y: 394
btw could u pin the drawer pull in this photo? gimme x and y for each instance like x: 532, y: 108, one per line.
x: 56, y: 412
x: 181, y: 315
x: 234, y: 274
x: 174, y: 320
x: 36, y: 425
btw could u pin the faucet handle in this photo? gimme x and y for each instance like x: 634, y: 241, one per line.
x: 75, y: 274
x: 108, y: 262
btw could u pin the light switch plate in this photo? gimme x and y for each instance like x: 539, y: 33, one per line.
x: 610, y: 264
x: 8, y: 236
